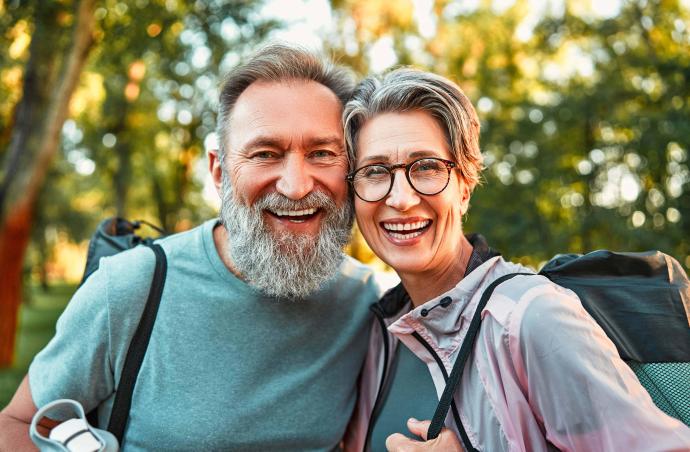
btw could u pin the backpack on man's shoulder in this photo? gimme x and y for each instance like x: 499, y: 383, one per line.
x: 112, y: 236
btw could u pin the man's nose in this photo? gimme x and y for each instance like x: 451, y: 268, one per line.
x: 296, y: 180
x: 402, y: 196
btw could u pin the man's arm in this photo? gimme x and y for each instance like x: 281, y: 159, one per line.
x: 16, y: 417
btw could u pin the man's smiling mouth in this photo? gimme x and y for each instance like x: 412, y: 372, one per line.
x: 294, y: 216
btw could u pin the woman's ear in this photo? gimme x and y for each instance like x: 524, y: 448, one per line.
x: 465, y: 194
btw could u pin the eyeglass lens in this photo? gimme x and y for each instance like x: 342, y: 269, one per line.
x: 427, y: 177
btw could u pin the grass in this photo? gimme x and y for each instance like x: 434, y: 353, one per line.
x: 36, y: 327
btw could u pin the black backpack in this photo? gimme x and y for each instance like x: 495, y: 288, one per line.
x: 640, y: 300
x: 113, y: 236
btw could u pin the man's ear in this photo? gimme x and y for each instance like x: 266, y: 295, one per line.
x: 214, y: 167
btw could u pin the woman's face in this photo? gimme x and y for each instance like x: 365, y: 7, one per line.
x: 412, y: 233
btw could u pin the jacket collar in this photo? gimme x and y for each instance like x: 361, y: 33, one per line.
x: 394, y: 300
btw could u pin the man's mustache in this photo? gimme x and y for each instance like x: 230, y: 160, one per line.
x: 313, y: 200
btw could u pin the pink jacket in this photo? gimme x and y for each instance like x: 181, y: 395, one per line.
x: 542, y: 371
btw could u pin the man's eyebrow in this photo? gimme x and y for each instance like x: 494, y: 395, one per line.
x: 325, y: 141
x: 263, y: 142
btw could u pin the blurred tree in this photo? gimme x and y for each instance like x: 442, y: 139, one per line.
x: 140, y: 114
x: 584, y: 117
x: 61, y: 40
x: 157, y: 73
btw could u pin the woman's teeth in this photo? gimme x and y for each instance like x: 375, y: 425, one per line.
x: 406, y: 226
x: 400, y: 230
x: 405, y: 236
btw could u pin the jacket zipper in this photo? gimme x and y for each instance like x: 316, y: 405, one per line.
x: 386, y: 353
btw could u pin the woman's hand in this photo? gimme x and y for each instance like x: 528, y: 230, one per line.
x: 446, y: 441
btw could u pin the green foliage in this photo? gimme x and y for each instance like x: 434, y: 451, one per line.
x: 584, y: 122
x: 134, y: 145
x: 584, y: 119
x: 36, y: 328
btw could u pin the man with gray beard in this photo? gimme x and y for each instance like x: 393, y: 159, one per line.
x: 263, y: 322
x: 299, y: 263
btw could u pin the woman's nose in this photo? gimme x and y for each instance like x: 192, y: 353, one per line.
x: 402, y: 196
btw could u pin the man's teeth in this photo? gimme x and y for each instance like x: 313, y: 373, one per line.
x: 294, y: 213
x: 406, y: 226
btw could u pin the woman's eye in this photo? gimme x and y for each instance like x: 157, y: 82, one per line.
x: 426, y: 166
x: 374, y: 172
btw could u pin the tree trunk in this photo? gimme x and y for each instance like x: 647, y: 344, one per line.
x: 57, y: 57
x: 159, y: 197
x: 14, y: 238
x: 123, y: 177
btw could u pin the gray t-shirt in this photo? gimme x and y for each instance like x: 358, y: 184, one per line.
x: 411, y: 394
x: 226, y: 368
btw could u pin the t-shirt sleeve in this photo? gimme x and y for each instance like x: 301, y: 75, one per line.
x: 84, y: 359
x: 76, y: 363
x: 585, y: 395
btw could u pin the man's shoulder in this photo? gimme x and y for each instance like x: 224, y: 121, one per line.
x: 353, y: 268
x: 133, y: 268
x: 188, y: 241
x: 358, y: 278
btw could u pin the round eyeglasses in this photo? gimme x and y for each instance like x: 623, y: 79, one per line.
x: 427, y: 176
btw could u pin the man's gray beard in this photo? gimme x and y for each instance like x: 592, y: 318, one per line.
x: 285, y: 265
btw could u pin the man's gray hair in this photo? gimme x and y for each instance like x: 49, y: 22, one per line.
x: 409, y: 89
x: 278, y: 63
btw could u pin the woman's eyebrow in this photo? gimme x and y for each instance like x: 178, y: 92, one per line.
x: 375, y: 158
x: 422, y: 153
x: 411, y: 156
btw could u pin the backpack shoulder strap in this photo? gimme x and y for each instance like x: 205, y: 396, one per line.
x: 459, y: 366
x: 137, y: 348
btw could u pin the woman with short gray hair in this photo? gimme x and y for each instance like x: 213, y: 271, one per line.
x: 541, y: 373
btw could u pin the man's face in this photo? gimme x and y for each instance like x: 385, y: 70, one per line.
x: 285, y: 201
x: 286, y: 138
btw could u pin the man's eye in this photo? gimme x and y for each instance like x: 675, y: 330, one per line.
x: 264, y: 155
x: 323, y: 153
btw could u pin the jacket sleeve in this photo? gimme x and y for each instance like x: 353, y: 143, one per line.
x: 586, y: 397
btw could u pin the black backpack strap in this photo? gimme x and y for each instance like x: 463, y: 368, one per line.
x: 456, y: 374
x: 137, y: 348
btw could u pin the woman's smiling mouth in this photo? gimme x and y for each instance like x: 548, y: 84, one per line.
x: 402, y: 231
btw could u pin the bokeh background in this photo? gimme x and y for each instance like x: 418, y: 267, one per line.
x: 107, y: 108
